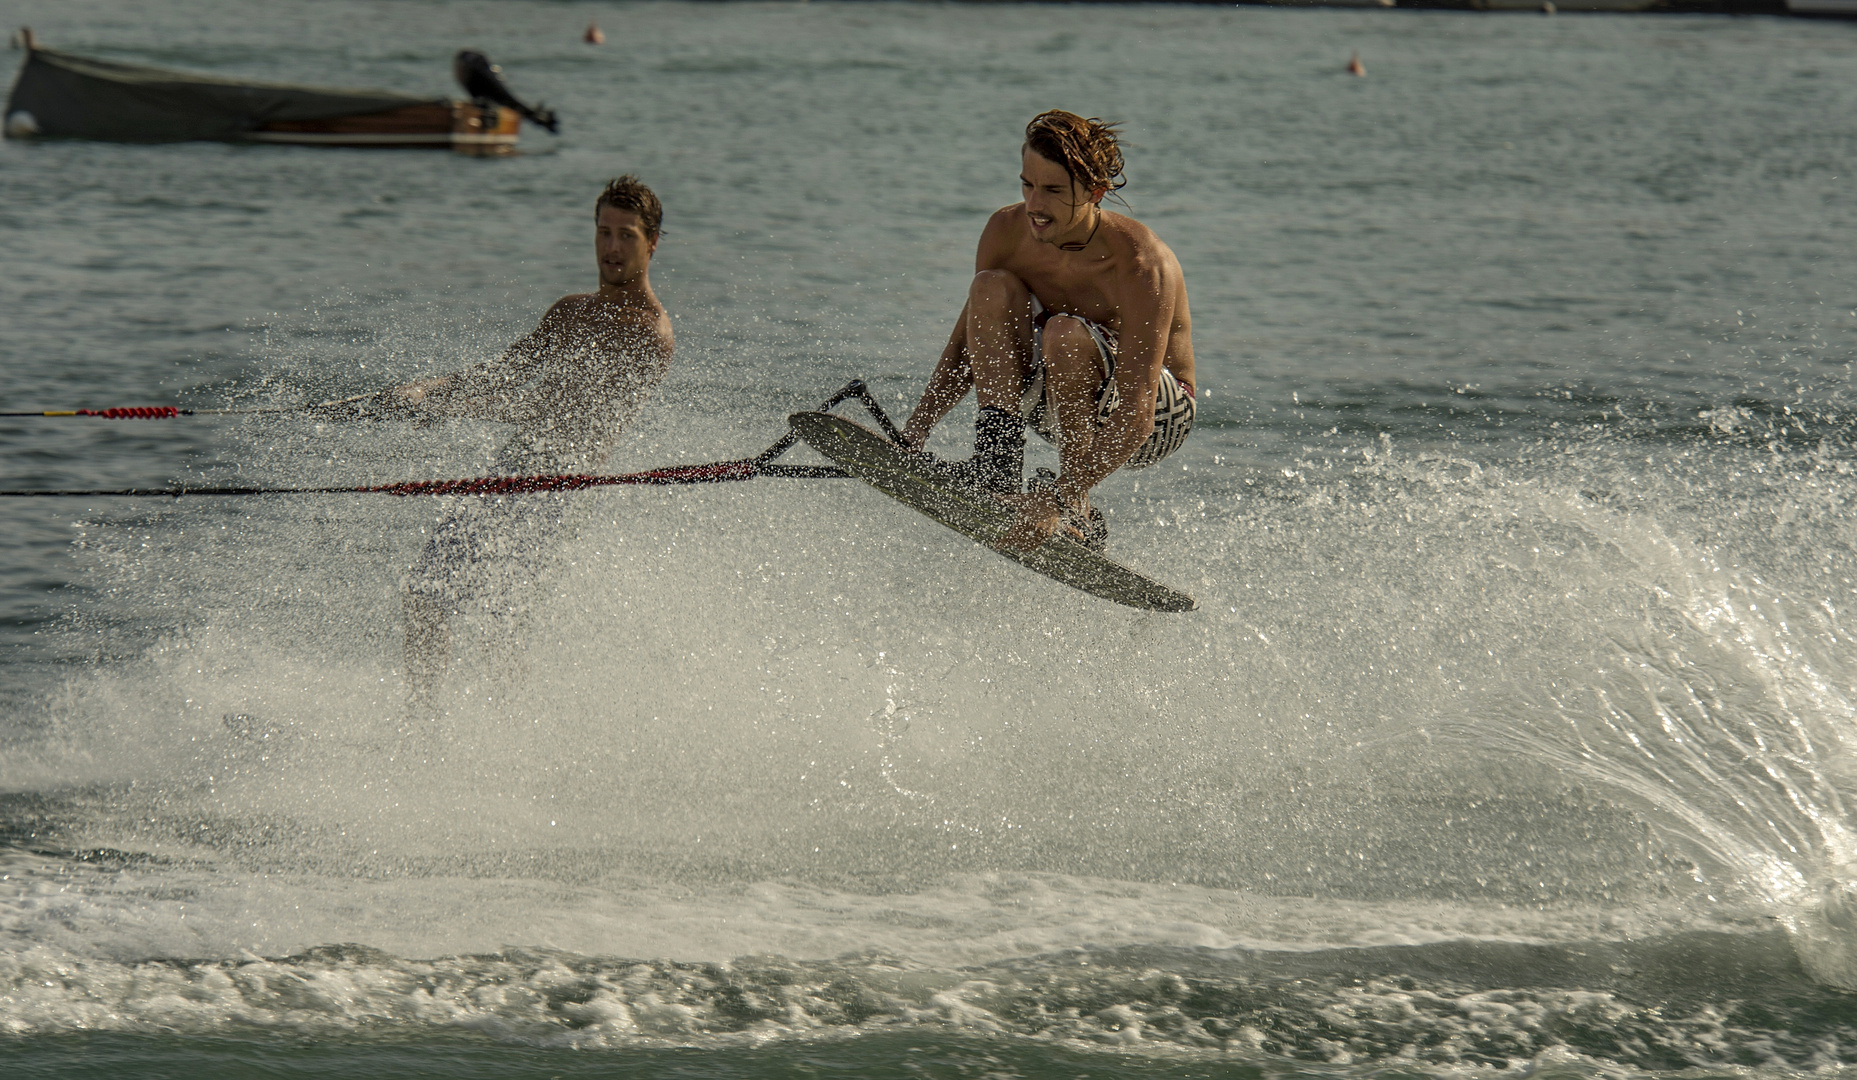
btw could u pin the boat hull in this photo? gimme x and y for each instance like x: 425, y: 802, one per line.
x: 62, y: 95
x: 457, y: 125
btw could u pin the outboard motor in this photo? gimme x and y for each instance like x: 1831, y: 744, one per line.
x: 484, y: 82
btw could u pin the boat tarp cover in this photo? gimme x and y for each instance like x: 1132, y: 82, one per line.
x: 81, y: 98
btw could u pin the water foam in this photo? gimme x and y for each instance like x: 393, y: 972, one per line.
x: 717, y: 689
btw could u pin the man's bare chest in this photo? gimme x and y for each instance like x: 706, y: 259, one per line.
x: 1065, y: 289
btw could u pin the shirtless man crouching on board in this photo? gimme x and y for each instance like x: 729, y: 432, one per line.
x: 1075, y: 324
x: 569, y: 387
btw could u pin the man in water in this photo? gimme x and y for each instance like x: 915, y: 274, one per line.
x: 1075, y: 324
x: 569, y: 387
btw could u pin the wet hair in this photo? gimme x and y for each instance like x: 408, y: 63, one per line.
x: 628, y: 192
x: 1085, y: 146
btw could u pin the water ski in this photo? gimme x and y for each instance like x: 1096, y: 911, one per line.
x: 975, y: 513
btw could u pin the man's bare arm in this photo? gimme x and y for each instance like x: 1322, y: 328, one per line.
x: 946, y: 387
x: 471, y: 394
x: 953, y: 376
x: 1147, y: 307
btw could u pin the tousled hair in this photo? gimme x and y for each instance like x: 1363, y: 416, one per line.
x: 628, y: 192
x: 1085, y: 146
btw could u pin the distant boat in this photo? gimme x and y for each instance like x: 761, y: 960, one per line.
x: 62, y: 95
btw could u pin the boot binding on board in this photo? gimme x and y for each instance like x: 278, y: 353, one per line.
x: 969, y: 473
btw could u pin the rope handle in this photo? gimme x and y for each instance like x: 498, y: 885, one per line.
x: 134, y: 412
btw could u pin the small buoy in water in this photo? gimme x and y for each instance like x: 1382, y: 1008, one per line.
x: 593, y: 36
x: 1355, y: 67
x: 1547, y: 8
x: 21, y: 125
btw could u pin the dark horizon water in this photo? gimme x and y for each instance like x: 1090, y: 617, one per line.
x: 1512, y: 733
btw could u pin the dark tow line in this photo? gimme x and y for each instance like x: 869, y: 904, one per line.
x: 717, y: 472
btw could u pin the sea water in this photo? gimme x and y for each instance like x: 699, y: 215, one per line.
x: 1512, y: 733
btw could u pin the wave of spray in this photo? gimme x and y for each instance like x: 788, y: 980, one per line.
x: 1725, y: 704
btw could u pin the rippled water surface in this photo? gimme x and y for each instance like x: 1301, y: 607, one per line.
x: 1512, y: 732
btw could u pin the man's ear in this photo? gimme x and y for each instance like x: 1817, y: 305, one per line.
x: 1096, y: 196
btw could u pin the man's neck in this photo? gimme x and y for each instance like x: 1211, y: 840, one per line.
x: 634, y: 293
x: 1082, y: 235
x: 1078, y: 243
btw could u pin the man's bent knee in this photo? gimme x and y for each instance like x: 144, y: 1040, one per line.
x: 998, y: 290
x: 1069, y: 346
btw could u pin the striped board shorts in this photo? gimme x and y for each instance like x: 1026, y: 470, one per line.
x: 1173, y: 401
x: 486, y: 552
x: 486, y: 549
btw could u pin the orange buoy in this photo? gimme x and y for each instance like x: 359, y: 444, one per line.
x: 1355, y: 67
x: 593, y: 36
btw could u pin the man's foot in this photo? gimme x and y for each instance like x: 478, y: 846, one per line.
x: 1091, y: 530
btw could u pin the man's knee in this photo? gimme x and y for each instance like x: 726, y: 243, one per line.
x: 1070, y: 348
x: 998, y: 291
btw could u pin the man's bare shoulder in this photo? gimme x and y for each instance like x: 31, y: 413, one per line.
x: 1140, y: 245
x: 1003, y: 235
x: 1006, y: 217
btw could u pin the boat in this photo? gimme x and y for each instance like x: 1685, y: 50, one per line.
x: 63, y: 95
